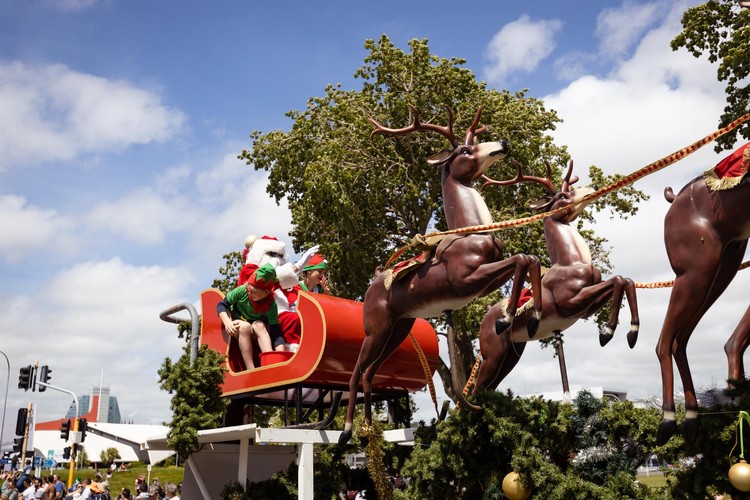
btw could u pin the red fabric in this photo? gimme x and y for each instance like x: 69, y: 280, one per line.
x: 245, y: 273
x: 525, y: 296
x: 262, y: 305
x: 290, y: 327
x: 732, y: 165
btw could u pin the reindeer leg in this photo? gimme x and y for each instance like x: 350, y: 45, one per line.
x: 730, y: 261
x: 525, y: 264
x: 735, y: 349
x: 687, y: 305
x: 493, y: 348
x: 635, y: 320
x: 740, y: 339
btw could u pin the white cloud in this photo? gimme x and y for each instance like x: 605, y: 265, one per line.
x: 98, y: 317
x: 519, y: 46
x: 622, y: 27
x: 50, y: 113
x: 143, y: 216
x: 27, y: 228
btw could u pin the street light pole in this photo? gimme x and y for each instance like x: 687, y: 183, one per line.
x: 5, y: 404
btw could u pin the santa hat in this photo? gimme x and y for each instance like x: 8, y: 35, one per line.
x: 316, y: 262
x: 248, y: 245
x: 262, y: 246
x: 263, y: 278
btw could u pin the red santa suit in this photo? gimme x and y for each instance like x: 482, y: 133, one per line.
x: 269, y: 250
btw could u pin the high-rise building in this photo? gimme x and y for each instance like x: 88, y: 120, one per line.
x: 108, y: 409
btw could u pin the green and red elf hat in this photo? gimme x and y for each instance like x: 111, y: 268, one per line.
x: 263, y: 278
x: 316, y: 262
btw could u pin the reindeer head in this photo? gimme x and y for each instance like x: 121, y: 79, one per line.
x: 563, y: 197
x: 465, y: 162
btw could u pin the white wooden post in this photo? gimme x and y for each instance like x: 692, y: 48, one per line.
x: 306, y: 471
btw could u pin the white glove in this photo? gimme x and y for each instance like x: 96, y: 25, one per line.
x: 302, y: 262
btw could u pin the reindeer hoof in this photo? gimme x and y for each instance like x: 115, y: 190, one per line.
x: 632, y: 338
x: 532, y: 326
x: 344, y: 438
x: 690, y: 427
x: 666, y: 430
x: 604, y: 338
x: 501, y: 325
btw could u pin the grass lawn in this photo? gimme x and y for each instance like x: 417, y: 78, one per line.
x: 126, y: 479
x: 654, y: 480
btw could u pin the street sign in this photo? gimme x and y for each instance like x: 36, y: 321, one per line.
x: 49, y: 463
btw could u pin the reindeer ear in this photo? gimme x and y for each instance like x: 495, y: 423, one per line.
x: 440, y: 157
x: 541, y: 203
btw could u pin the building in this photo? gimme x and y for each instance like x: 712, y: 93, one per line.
x: 109, y: 410
x: 102, y: 413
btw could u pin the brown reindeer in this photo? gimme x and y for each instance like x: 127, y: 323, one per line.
x: 572, y: 288
x: 462, y: 268
x: 705, y: 233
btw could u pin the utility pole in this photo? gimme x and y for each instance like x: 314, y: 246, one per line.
x: 26, y: 435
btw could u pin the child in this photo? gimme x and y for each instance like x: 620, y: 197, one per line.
x: 250, y: 311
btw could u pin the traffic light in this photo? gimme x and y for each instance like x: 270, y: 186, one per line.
x: 66, y: 453
x: 65, y: 430
x: 23, y: 415
x: 18, y: 444
x: 44, y: 376
x: 25, y: 379
x: 83, y: 426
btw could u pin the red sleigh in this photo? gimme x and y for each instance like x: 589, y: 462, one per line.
x: 332, y: 333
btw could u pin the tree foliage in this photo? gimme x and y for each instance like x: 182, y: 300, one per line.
x: 590, y: 450
x: 362, y: 198
x: 109, y: 456
x: 197, y: 402
x: 720, y: 30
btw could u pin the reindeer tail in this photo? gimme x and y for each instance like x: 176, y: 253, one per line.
x: 668, y: 194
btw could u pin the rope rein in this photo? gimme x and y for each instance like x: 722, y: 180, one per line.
x: 639, y: 174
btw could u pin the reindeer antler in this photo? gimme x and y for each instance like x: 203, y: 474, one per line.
x: 473, y: 132
x: 567, y: 182
x: 446, y: 131
x: 520, y: 177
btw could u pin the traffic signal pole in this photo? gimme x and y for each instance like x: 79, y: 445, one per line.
x: 73, y: 450
x: 26, y: 436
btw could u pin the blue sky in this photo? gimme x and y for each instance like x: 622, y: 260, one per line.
x: 120, y: 123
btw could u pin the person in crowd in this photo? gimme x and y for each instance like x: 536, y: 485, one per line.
x: 155, y: 491
x: 59, y: 486
x: 86, y: 493
x: 27, y: 489
x: 125, y: 495
x: 170, y: 490
x: 250, y: 311
x: 12, y: 491
x: 315, y: 275
x: 142, y: 491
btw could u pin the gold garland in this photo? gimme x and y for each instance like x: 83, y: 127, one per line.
x: 426, y: 370
x: 667, y: 284
x: 375, y: 464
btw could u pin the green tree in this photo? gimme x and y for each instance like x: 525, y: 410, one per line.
x: 562, y: 451
x: 363, y: 198
x: 197, y: 402
x: 109, y: 456
x: 720, y: 29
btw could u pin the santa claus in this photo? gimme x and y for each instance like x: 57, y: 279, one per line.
x: 269, y: 250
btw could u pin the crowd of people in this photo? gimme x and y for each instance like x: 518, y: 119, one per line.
x: 19, y: 485
x: 262, y: 308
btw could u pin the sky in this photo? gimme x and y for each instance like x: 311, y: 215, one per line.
x: 120, y: 187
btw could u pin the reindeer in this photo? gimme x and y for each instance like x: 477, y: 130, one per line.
x: 462, y: 268
x: 572, y: 288
x: 705, y: 233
